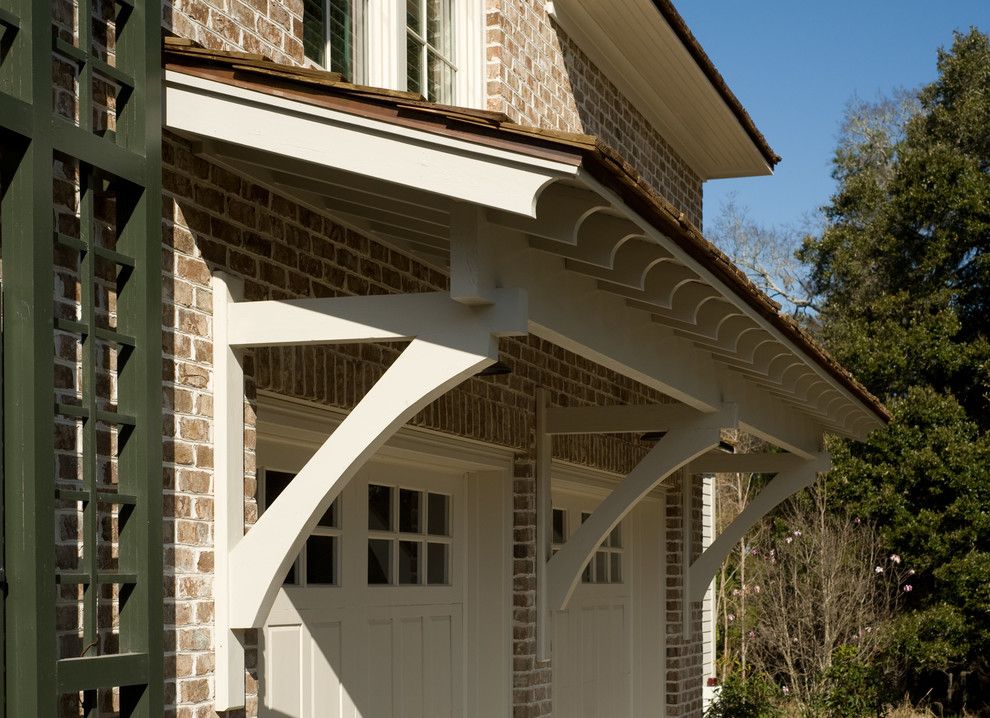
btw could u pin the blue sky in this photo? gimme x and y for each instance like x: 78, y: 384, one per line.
x: 795, y: 64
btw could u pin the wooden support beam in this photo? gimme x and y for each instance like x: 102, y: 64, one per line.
x: 785, y: 484
x: 618, y: 419
x: 678, y: 448
x: 472, y: 280
x: 719, y: 462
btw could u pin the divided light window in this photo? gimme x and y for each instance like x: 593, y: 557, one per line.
x: 430, y: 67
x: 408, y: 537
x: 318, y: 564
x: 334, y: 36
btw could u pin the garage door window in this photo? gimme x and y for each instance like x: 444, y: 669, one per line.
x: 606, y: 565
x: 408, y: 537
x: 318, y: 564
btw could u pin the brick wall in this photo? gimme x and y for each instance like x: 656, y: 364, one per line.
x: 539, y: 76
x: 272, y: 28
x: 685, y: 650
x: 214, y: 219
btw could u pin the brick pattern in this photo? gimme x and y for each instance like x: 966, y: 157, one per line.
x: 538, y: 76
x: 214, y: 219
x: 272, y: 28
x: 685, y: 652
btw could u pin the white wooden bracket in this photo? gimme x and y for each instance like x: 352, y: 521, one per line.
x: 449, y: 342
x: 688, y: 435
x: 792, y: 477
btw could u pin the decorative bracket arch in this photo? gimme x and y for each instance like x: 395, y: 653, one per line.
x: 682, y: 443
x: 785, y: 484
x: 449, y: 343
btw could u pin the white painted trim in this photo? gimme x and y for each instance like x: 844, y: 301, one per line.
x: 306, y: 424
x: 544, y: 517
x: 461, y: 170
x: 228, y: 488
x: 783, y: 485
x: 630, y: 418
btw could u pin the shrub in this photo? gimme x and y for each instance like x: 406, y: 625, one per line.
x: 753, y: 697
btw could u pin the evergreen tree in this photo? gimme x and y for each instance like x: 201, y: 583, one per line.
x: 902, y: 274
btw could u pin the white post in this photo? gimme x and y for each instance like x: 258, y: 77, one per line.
x: 228, y: 489
x: 544, y: 517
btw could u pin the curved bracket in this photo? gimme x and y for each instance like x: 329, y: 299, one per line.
x: 450, y: 342
x: 679, y: 447
x: 782, y: 486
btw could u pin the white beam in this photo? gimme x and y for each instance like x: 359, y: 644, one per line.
x: 384, y: 317
x: 720, y: 462
x: 679, y: 447
x: 544, y: 518
x: 618, y: 419
x: 454, y: 168
x: 228, y: 488
x: 471, y: 278
x: 785, y: 484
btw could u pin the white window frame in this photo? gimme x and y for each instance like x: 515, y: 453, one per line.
x: 395, y: 535
x: 332, y: 531
x: 385, y: 27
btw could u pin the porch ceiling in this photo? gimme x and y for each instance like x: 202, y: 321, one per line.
x: 612, y: 271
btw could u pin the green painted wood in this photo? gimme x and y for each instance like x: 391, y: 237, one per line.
x: 122, y: 669
x: 30, y: 133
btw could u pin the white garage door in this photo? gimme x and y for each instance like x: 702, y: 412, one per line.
x: 608, y: 644
x: 371, y: 620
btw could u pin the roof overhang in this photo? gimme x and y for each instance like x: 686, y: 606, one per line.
x: 646, y: 50
x: 610, y: 272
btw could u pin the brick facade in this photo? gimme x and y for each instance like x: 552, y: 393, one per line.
x: 538, y: 76
x: 214, y: 219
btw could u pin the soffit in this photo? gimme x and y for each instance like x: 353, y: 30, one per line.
x: 646, y: 50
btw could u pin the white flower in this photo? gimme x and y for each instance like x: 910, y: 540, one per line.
x: 895, y: 558
x: 788, y: 539
x: 797, y: 533
x: 732, y: 617
x: 908, y: 588
x: 879, y: 569
x: 785, y: 690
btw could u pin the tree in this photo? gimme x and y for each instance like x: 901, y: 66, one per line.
x: 901, y: 275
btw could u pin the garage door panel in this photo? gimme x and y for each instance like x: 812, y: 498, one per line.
x: 284, y: 676
x: 442, y: 645
x: 328, y: 695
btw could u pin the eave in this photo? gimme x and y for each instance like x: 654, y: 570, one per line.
x: 612, y: 271
x: 646, y: 50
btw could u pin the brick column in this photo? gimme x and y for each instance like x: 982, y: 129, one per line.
x: 530, y: 678
x: 685, y: 649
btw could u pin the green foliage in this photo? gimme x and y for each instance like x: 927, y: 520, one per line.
x: 853, y: 688
x: 753, y: 697
x: 903, y: 275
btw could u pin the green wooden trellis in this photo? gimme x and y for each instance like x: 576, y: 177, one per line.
x: 32, y: 674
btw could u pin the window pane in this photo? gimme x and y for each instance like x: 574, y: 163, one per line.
x: 615, y: 538
x: 414, y: 16
x: 379, y: 561
x: 275, y: 483
x: 341, y: 33
x: 586, y: 574
x: 414, y: 65
x: 329, y: 518
x: 379, y: 507
x: 616, y: 575
x: 440, y: 80
x: 559, y: 519
x: 409, y: 562
x: 439, y: 26
x: 601, y: 567
x: 409, y: 508
x: 321, y: 560
x: 437, y: 515
x: 436, y: 564
x: 290, y: 577
x: 314, y: 31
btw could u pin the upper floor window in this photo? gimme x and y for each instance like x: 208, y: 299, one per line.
x: 430, y: 67
x: 431, y: 47
x: 334, y: 36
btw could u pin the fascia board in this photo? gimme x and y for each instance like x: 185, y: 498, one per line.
x: 464, y: 171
